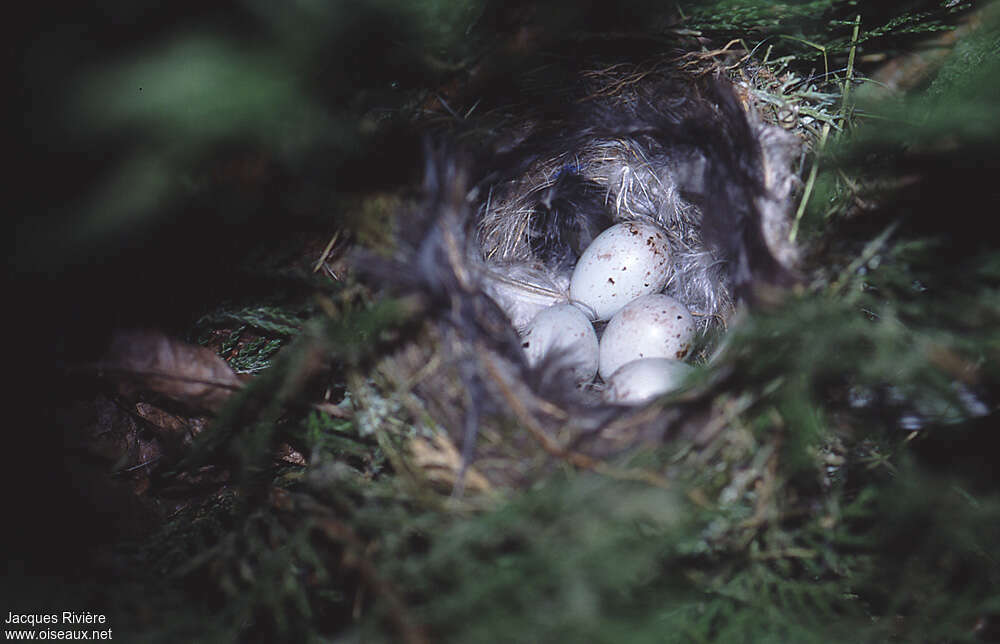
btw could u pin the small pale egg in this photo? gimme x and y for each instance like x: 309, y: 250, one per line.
x: 640, y: 381
x: 651, y: 326
x: 566, y: 329
x: 623, y: 262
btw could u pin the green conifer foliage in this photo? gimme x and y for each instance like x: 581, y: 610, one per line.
x: 848, y: 493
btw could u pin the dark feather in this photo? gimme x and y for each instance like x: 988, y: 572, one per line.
x: 569, y: 214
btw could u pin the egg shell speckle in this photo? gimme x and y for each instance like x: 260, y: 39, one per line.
x: 651, y: 326
x: 640, y: 381
x: 564, y: 328
x: 623, y: 262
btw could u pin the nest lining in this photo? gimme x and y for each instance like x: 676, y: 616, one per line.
x: 625, y: 152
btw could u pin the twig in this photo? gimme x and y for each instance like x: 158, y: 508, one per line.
x: 354, y: 557
x: 137, y: 467
x: 333, y: 410
x: 555, y: 449
x: 326, y: 252
x: 787, y: 553
x: 809, y: 184
x: 850, y: 70
x: 866, y: 255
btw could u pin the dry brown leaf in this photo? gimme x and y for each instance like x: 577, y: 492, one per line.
x: 191, y: 375
x: 116, y: 443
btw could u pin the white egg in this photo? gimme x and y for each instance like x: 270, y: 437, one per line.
x: 625, y: 261
x: 651, y: 326
x: 523, y: 291
x: 566, y: 329
x: 642, y: 380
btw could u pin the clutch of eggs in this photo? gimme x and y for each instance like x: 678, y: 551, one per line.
x: 618, y: 277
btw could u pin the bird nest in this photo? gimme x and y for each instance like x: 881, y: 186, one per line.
x: 507, y: 212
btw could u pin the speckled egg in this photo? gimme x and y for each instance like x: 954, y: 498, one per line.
x: 625, y: 261
x: 640, y: 381
x: 651, y: 326
x: 566, y: 329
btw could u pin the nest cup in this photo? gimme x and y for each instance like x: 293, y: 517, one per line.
x: 679, y: 154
